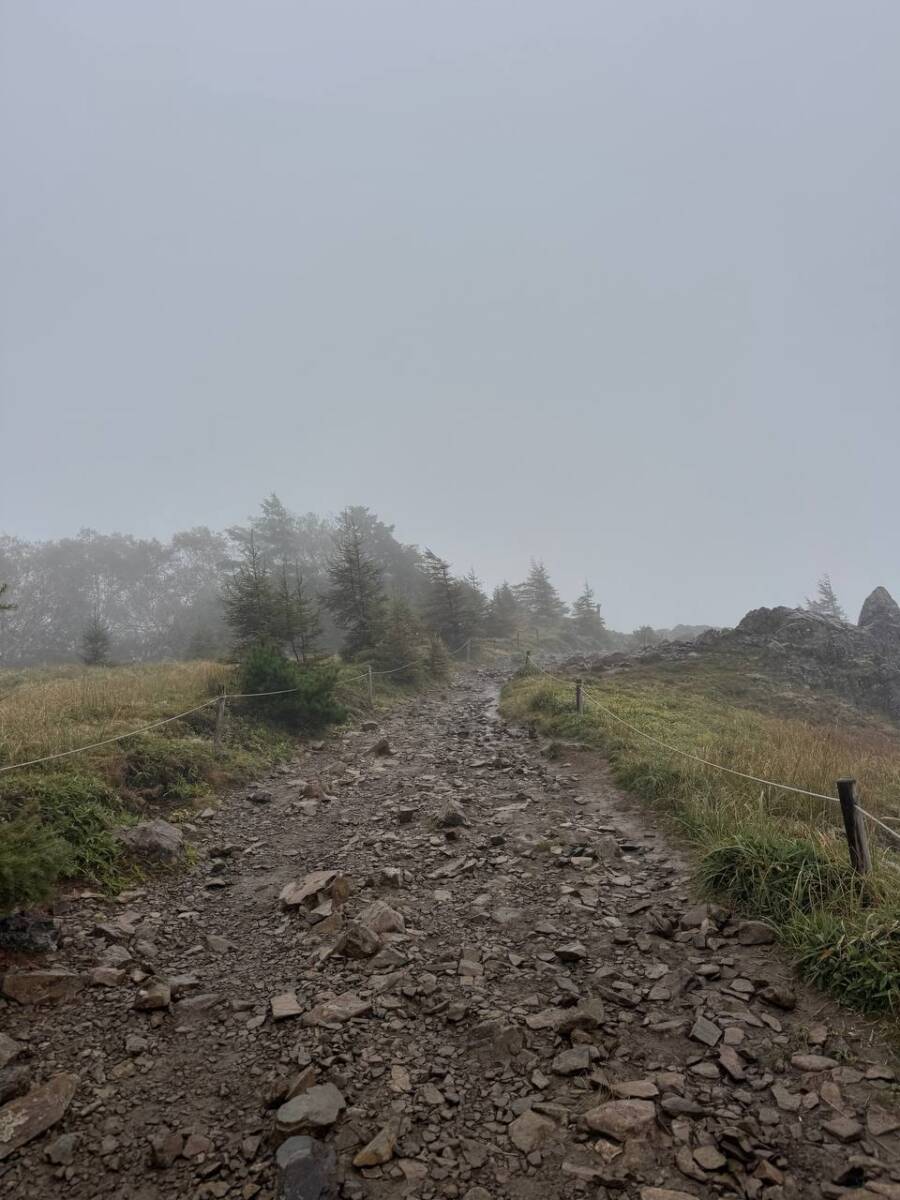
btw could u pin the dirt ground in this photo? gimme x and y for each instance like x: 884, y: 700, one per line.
x: 532, y: 1004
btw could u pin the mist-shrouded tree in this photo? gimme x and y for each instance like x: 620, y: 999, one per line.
x: 5, y: 605
x: 474, y: 604
x: 503, y: 613
x: 438, y: 659
x: 251, y: 605
x: 356, y: 596
x: 401, y: 643
x: 96, y: 642
x: 826, y: 603
x: 540, y: 599
x: 645, y: 635
x: 444, y: 603
x: 297, y: 621
x: 586, y: 618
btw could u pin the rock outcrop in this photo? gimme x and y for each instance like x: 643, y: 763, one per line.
x: 860, y: 662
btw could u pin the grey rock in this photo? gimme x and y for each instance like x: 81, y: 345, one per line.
x: 31, y: 935
x: 755, y: 933
x: 10, y: 1050
x: 61, y: 1151
x: 156, y: 840
x: 306, y: 1170
x: 15, y: 1080
x: 317, y: 1108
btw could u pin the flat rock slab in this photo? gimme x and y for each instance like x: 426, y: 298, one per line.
x: 531, y: 1131
x: 622, y: 1119
x: 32, y: 1114
x: 335, y: 1012
x: 317, y: 1108
x: 42, y: 987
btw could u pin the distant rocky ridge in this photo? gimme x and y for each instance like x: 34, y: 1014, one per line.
x: 861, y: 662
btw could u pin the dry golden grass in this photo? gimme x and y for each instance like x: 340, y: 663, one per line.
x: 48, y: 710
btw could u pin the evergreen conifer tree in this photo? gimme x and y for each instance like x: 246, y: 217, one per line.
x: 298, y: 622
x: 586, y: 618
x: 826, y: 603
x: 540, y: 598
x: 356, y: 594
x: 444, y: 606
x: 251, y: 606
x: 95, y: 642
x: 401, y: 643
x: 474, y: 605
x: 503, y: 613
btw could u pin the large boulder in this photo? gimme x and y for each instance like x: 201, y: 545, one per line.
x: 880, y: 616
x: 762, y: 621
x: 159, y: 840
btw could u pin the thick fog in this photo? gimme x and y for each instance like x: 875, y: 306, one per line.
x: 614, y: 285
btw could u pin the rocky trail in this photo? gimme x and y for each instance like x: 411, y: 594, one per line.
x: 425, y: 960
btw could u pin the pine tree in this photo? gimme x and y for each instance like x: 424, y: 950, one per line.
x: 444, y: 605
x: 356, y: 596
x: 5, y: 606
x: 474, y: 605
x: 95, y: 642
x: 645, y: 636
x: 586, y: 616
x: 250, y: 603
x: 826, y: 603
x: 298, y: 622
x: 540, y: 598
x: 503, y: 613
x: 438, y: 659
x: 401, y: 644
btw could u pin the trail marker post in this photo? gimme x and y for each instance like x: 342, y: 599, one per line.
x: 854, y: 827
x: 579, y: 697
x: 219, y: 732
x: 370, y: 684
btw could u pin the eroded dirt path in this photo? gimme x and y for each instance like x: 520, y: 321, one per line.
x: 558, y: 1016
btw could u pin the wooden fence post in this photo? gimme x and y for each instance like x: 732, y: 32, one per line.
x: 579, y: 697
x: 370, y: 683
x: 855, y: 827
x: 219, y: 732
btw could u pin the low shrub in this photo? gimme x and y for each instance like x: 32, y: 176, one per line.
x: 168, y: 768
x: 854, y: 957
x: 66, y: 820
x: 778, y: 877
x: 308, y: 701
x: 32, y: 857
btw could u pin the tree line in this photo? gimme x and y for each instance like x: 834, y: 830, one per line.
x: 307, y: 583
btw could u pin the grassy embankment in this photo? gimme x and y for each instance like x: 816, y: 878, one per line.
x: 772, y: 854
x: 57, y: 820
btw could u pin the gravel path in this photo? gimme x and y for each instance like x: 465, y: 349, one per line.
x: 500, y: 986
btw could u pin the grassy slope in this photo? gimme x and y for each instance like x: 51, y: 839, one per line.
x: 774, y: 855
x: 56, y: 820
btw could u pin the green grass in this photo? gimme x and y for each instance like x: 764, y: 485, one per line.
x: 770, y: 853
x: 57, y: 820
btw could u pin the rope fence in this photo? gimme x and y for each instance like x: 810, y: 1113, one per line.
x: 852, y: 811
x: 220, y: 701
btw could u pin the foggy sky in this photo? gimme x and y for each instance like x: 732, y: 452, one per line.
x: 611, y: 284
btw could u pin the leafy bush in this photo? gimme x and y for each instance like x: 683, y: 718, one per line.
x: 308, y: 701
x: 32, y: 857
